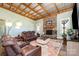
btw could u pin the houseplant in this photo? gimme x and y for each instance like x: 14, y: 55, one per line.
x: 64, y: 35
x: 70, y: 32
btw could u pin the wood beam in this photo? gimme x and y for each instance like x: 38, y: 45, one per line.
x: 65, y: 9
x: 54, y: 14
x: 25, y: 7
x: 28, y: 11
x: 56, y: 7
x: 44, y: 8
x: 18, y: 7
x: 18, y: 13
x: 10, y: 5
x: 1, y: 4
x: 33, y: 10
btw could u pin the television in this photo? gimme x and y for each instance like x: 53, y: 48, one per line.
x: 48, y: 32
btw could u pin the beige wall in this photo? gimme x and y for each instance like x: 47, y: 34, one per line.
x: 39, y: 26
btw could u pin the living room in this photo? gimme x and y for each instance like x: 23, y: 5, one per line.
x: 38, y: 30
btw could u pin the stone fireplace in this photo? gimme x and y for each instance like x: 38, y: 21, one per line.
x: 50, y: 27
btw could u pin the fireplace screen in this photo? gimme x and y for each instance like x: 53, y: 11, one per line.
x: 48, y: 32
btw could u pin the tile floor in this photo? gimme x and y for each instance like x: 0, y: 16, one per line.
x: 72, y: 49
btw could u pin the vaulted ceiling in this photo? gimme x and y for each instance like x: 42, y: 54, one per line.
x: 37, y: 11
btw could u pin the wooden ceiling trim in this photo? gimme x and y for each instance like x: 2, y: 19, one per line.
x: 35, y: 6
x: 33, y: 16
x: 26, y: 16
x: 18, y: 6
x: 44, y: 8
x: 1, y: 4
x: 29, y: 4
x: 28, y: 11
x: 61, y: 10
x: 18, y: 13
x: 10, y: 5
x: 39, y: 14
x: 39, y: 10
x: 54, y: 14
x: 25, y: 7
x: 33, y: 10
x: 65, y: 10
x: 65, y: 7
x: 29, y: 14
x: 56, y: 8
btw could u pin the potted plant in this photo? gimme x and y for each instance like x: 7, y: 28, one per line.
x: 64, y: 35
x: 70, y: 32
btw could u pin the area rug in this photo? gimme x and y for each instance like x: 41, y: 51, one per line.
x: 51, y: 49
x: 54, y: 47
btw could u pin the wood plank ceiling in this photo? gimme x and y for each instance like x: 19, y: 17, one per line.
x: 37, y: 11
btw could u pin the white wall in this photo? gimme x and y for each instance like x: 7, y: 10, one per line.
x: 60, y: 17
x: 27, y: 24
x: 39, y: 26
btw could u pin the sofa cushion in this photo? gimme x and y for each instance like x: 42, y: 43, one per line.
x: 10, y: 51
x: 31, y: 51
x: 16, y: 48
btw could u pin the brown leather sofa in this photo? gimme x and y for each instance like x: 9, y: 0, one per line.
x: 28, y: 50
x: 27, y: 36
x: 31, y: 50
x: 12, y: 48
